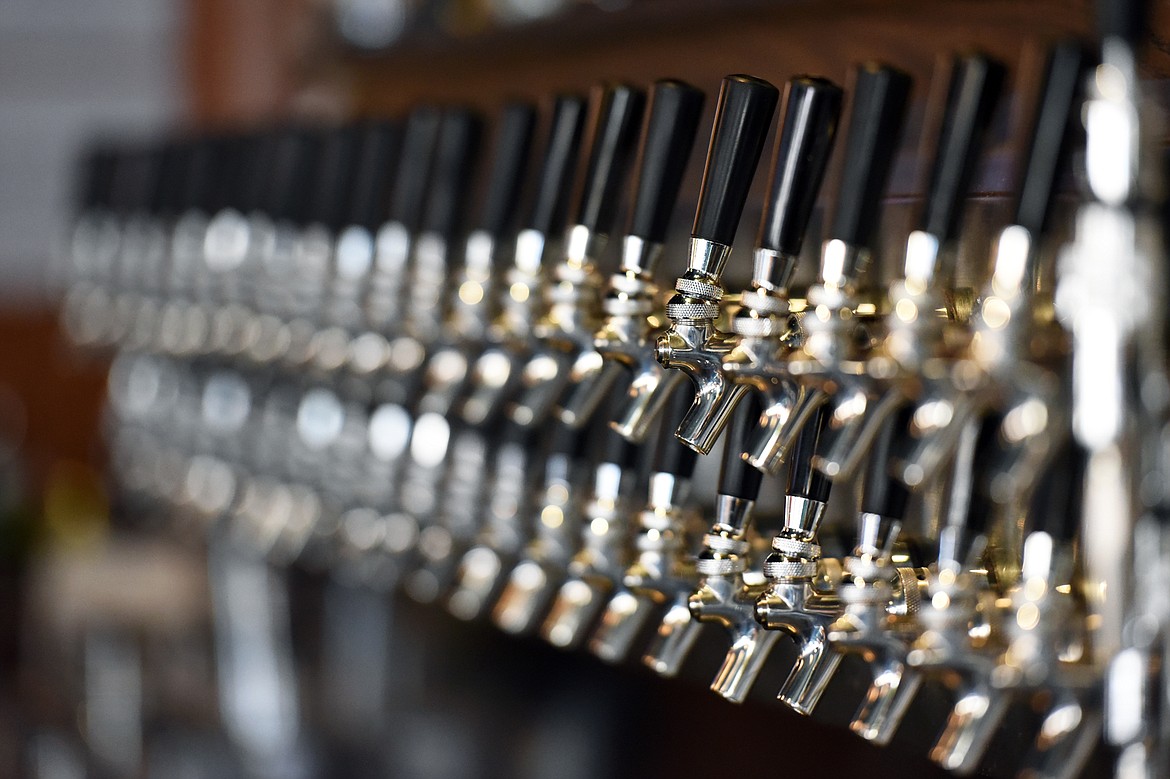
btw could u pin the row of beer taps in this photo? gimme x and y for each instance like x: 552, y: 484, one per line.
x: 480, y: 415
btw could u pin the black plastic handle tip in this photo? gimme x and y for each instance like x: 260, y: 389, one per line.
x: 743, y: 115
x: 737, y: 478
x: 672, y: 455
x: 803, y: 146
x: 667, y: 141
x: 460, y: 132
x: 613, y: 138
x: 378, y: 147
x: 805, y: 481
x: 875, y: 128
x: 560, y: 159
x: 510, y: 157
x: 1051, y: 141
x: 881, y: 493
x: 975, y: 87
x: 414, y: 167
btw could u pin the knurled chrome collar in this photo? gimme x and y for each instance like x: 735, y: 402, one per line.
x: 766, y: 304
x: 758, y: 328
x: 722, y: 566
x: 779, y: 569
x: 724, y: 545
x: 627, y: 306
x: 911, y: 595
x: 793, y: 547
x: 699, y: 289
x: 692, y: 310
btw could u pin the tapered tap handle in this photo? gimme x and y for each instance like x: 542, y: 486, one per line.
x: 513, y: 149
x: 378, y: 151
x: 976, y: 82
x: 135, y: 179
x: 612, y: 140
x: 460, y: 132
x: 230, y: 167
x: 94, y: 184
x: 743, y: 115
x: 882, y: 494
x: 616, y: 449
x: 737, y: 478
x: 291, y: 183
x: 671, y: 455
x: 565, y: 440
x: 1127, y: 20
x: 1056, y: 504
x: 414, y: 167
x: 875, y: 126
x: 170, y: 191
x: 805, y: 481
x: 803, y: 146
x: 1051, y: 142
x: 667, y: 140
x: 199, y: 182
x: 336, y: 166
x: 556, y: 173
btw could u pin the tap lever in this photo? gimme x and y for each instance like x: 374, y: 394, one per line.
x: 743, y: 115
x: 667, y: 139
x: 975, y: 85
x: 805, y: 481
x: 670, y: 455
x: 375, y: 162
x: 803, y: 145
x: 737, y: 478
x: 883, y: 497
x: 1051, y: 141
x: 457, y: 146
x: 513, y: 142
x: 414, y: 167
x: 336, y: 169
x: 551, y: 202
x: 880, y: 97
x: 612, y: 141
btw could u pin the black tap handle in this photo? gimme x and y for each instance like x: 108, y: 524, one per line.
x: 378, y: 146
x: 743, y: 115
x: 805, y: 481
x: 975, y: 86
x: 134, y: 179
x: 176, y: 166
x: 414, y: 167
x: 670, y: 454
x: 737, y: 478
x: 1056, y: 504
x: 334, y: 179
x: 803, y: 145
x: 881, y: 493
x: 880, y: 96
x: 292, y: 179
x: 667, y: 140
x: 460, y: 131
x: 612, y: 140
x: 1127, y: 20
x: 616, y: 449
x: 1051, y: 142
x: 560, y: 160
x: 513, y: 149
x: 96, y: 173
x: 200, y: 180
x: 228, y: 171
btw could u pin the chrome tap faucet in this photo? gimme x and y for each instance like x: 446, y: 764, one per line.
x: 879, y: 599
x: 631, y: 305
x: 821, y: 364
x: 693, y: 343
x: 564, y: 333
x: 662, y: 576
x: 792, y: 605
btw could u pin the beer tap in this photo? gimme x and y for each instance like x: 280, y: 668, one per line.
x: 880, y: 600
x: 999, y: 368
x: 797, y: 603
x: 693, y: 343
x: 453, y: 471
x: 724, y: 596
x: 717, y: 592
x: 821, y: 365
x: 962, y: 634
x: 603, y: 545
x: 494, y: 378
x: 663, y: 574
x: 555, y: 522
x: 495, y: 375
x: 625, y: 340
x: 573, y: 306
x: 763, y: 325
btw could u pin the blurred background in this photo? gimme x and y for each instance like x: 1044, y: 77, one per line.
x: 107, y: 657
